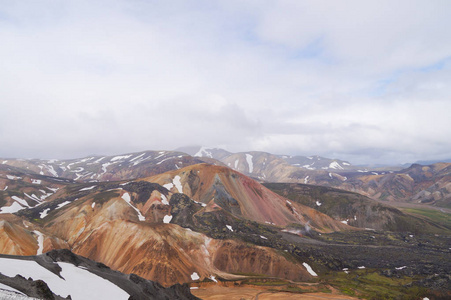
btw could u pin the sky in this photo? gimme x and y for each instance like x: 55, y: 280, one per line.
x: 363, y: 81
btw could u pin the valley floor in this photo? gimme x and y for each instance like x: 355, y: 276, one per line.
x: 260, y: 293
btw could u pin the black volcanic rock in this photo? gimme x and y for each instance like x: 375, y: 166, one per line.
x: 137, y: 287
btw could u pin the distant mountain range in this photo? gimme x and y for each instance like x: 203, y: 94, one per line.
x: 418, y: 184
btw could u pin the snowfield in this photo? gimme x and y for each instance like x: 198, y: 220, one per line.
x: 15, y: 207
x: 79, y: 283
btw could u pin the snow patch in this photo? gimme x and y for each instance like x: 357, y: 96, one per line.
x: 167, y: 219
x: 309, y: 269
x: 213, y: 278
x: 15, y: 207
x: 263, y: 237
x: 195, y: 276
x: 171, y: 157
x: 93, y: 204
x: 164, y: 200
x: 99, y: 160
x: 53, y: 189
x: 36, y: 181
x: 229, y: 228
x: 250, y: 163
x: 344, y: 222
x: 88, y: 188
x: 126, y: 197
x: 335, y: 165
x: 12, y: 295
x: 201, y: 203
x: 203, y: 152
x: 62, y: 204
x: 137, y: 157
x: 306, y: 179
x: 32, y: 197
x: 12, y: 177
x: 168, y: 186
x: 40, y: 242
x: 177, y: 183
x: 51, y: 170
x: 21, y: 201
x: 318, y: 203
x: 400, y: 268
x: 361, y: 267
x: 44, y: 213
x: 236, y: 163
x: 78, y: 170
x: 120, y: 157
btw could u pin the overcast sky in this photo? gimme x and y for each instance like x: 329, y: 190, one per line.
x: 366, y: 81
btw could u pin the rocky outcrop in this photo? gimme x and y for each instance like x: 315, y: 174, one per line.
x: 135, y: 286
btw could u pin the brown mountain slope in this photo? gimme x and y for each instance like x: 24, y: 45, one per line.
x: 123, y: 226
x: 430, y: 184
x: 355, y: 209
x: 222, y: 188
x: 109, y: 231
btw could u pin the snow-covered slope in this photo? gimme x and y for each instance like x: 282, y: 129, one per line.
x: 104, y: 168
x: 66, y: 274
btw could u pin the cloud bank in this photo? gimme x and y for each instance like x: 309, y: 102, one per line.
x: 357, y: 80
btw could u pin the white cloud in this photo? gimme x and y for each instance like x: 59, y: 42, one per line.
x: 306, y: 77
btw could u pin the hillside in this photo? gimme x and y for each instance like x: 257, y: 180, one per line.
x: 59, y: 274
x: 106, y: 168
x: 210, y: 224
x: 429, y: 185
x: 355, y: 209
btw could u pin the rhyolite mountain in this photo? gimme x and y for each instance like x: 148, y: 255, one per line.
x: 207, y: 222
x: 429, y: 184
x: 106, y: 168
x: 128, y: 225
x: 418, y: 184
